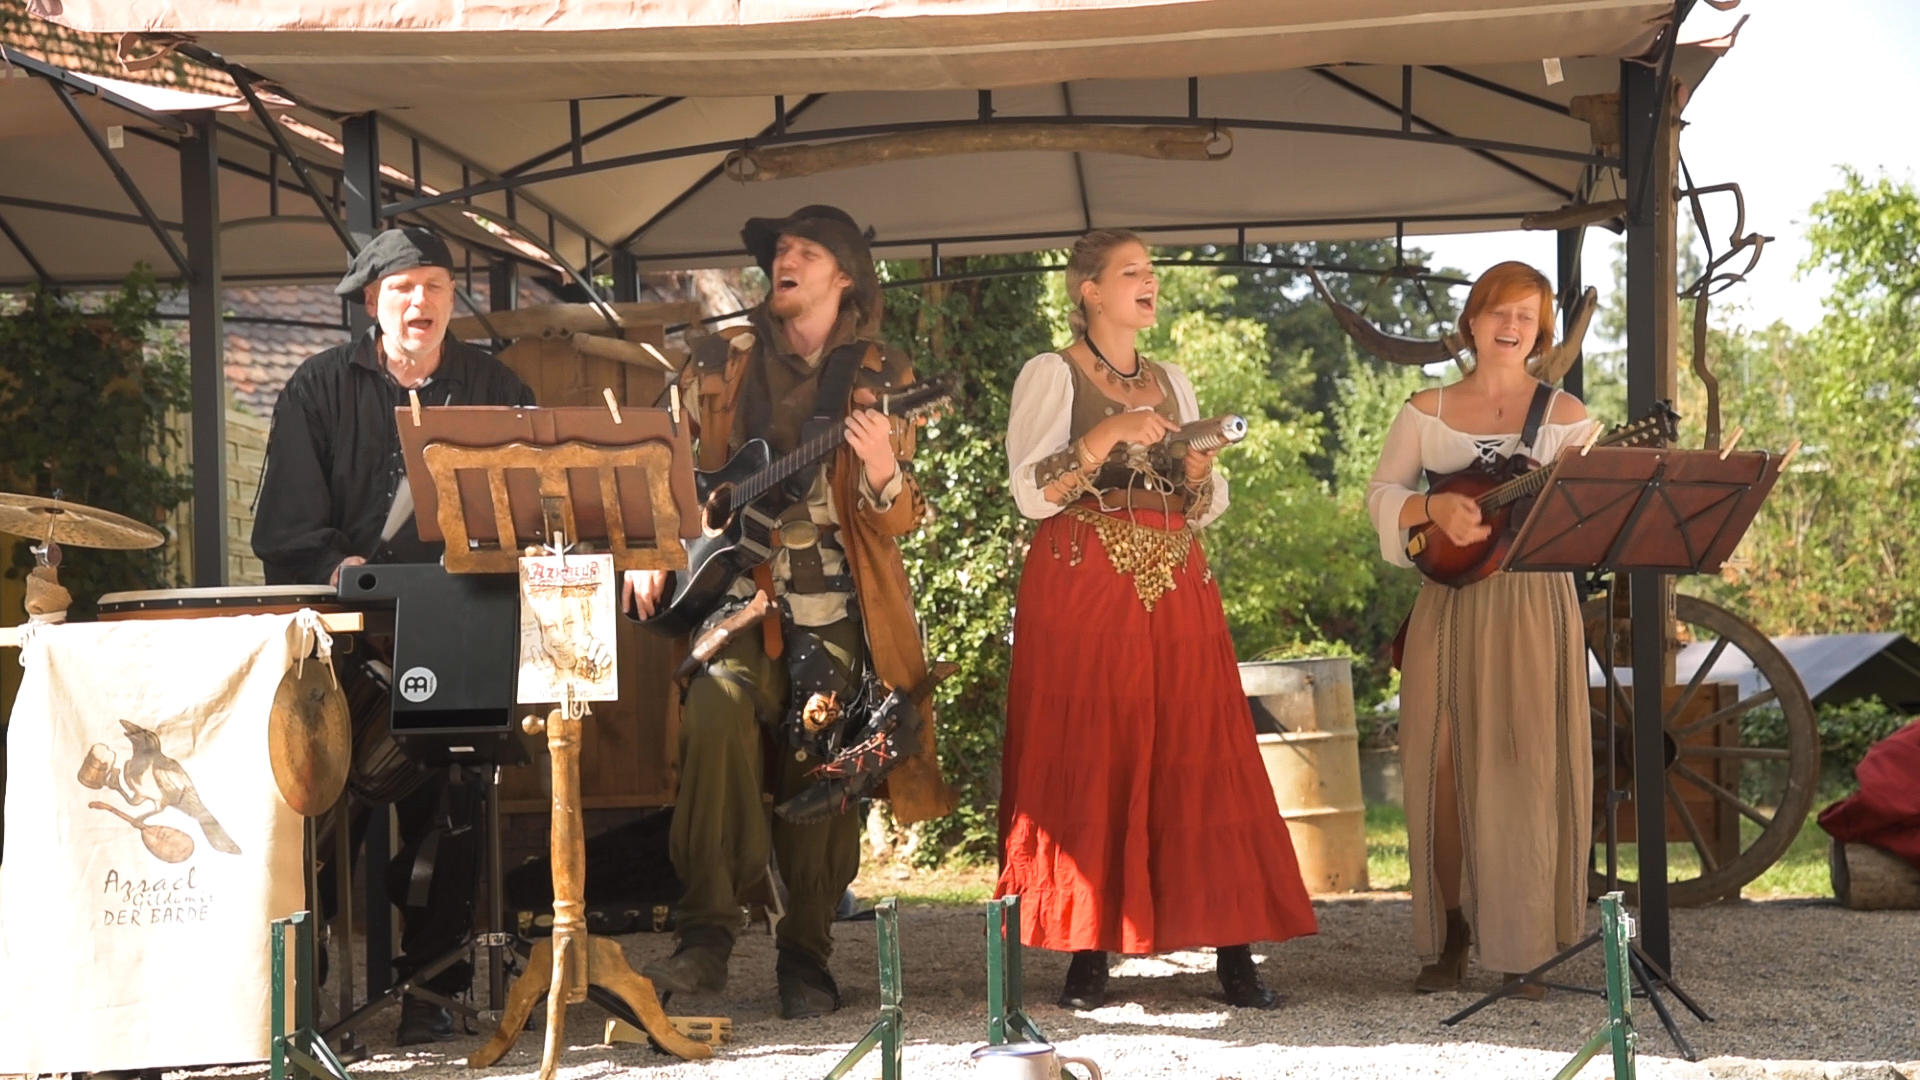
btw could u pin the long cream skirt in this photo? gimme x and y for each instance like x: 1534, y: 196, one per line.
x: 1499, y: 669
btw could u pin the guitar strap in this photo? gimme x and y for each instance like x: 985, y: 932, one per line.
x: 1536, y: 416
x: 830, y: 401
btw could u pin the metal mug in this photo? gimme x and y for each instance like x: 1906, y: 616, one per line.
x: 1027, y: 1061
x: 97, y: 767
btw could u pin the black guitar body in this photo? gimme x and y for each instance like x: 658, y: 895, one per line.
x: 743, y: 499
x: 731, y: 543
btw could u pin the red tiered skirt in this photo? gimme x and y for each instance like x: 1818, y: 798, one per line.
x: 1135, y: 813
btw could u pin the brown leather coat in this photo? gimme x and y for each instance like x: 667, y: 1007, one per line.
x: 870, y: 537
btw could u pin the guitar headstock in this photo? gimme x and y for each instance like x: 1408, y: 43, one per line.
x: 1659, y: 427
x: 923, y: 401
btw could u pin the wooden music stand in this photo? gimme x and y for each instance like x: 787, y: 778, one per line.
x: 1632, y: 508
x: 580, y: 494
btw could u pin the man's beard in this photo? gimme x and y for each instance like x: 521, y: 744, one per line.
x: 787, y: 305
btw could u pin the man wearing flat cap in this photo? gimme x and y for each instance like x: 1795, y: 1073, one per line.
x: 333, y: 495
x: 842, y: 606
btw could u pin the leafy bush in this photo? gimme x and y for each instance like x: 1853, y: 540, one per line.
x: 1847, y: 730
x: 86, y: 396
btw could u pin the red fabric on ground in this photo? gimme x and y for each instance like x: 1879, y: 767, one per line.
x: 1885, y: 812
x: 1135, y: 814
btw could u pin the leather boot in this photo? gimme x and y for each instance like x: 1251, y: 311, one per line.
x: 806, y: 986
x: 698, y: 964
x: 1240, y: 979
x: 1086, y: 986
x: 1446, y: 972
x: 421, y: 1021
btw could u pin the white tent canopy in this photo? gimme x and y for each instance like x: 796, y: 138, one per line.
x: 376, y: 55
x: 1347, y: 118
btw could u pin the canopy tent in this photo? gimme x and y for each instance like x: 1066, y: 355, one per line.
x: 439, y: 52
x: 612, y: 121
x: 1426, y: 119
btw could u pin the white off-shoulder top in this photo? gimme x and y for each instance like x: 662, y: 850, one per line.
x: 1420, y: 442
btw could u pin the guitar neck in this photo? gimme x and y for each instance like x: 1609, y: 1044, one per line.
x: 1519, y: 487
x: 1530, y: 483
x: 807, y: 453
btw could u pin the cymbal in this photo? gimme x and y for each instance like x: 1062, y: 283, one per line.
x: 73, y: 524
x: 310, y: 738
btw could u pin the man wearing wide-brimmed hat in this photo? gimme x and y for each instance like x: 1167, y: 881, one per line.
x: 333, y: 495
x: 842, y: 594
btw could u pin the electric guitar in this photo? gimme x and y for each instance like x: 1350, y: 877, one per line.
x: 1497, y: 490
x: 736, y: 535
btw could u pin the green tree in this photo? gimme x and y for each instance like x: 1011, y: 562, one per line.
x: 965, y: 564
x: 86, y: 394
x: 1833, y: 548
x: 1308, y: 356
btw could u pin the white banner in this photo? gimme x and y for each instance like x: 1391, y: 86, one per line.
x: 147, y: 847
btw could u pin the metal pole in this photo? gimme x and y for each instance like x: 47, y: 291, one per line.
x: 206, y: 344
x: 1648, y: 328
x: 503, y: 286
x: 360, y: 189
x: 1570, y: 244
x: 626, y: 277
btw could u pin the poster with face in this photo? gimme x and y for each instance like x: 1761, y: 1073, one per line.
x: 567, y: 626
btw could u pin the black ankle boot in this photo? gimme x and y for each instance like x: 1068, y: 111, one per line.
x: 1240, y: 979
x: 1086, y: 986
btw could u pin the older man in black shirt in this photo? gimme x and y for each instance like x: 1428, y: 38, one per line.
x: 334, y: 495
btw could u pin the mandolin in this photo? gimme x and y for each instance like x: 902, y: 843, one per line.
x: 1498, y: 490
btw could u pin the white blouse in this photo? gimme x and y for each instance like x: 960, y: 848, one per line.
x: 1418, y: 441
x: 1041, y: 425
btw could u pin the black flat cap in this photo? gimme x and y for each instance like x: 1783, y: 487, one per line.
x: 391, y: 252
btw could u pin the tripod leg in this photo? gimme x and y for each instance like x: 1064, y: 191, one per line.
x: 607, y: 967
x: 1505, y: 989
x: 520, y: 998
x: 1660, y: 1010
x: 566, y: 961
x: 1660, y: 976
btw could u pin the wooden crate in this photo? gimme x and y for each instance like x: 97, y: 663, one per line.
x: 1719, y: 823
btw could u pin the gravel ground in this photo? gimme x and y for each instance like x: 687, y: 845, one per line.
x: 1800, y: 990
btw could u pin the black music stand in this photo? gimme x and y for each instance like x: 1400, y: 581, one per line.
x: 1645, y: 512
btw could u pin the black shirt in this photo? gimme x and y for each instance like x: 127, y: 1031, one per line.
x: 334, y: 462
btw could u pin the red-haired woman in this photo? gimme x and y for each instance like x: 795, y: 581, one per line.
x: 1135, y: 814
x: 1494, y: 735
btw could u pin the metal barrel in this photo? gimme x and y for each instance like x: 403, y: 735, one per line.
x: 1304, y: 718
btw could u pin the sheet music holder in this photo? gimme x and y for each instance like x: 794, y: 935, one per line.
x: 1633, y: 508
x: 614, y: 478
x: 491, y: 480
x: 1645, y: 512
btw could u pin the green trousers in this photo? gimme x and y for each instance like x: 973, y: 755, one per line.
x: 723, y: 830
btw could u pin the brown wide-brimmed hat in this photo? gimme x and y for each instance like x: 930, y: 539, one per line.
x: 832, y: 228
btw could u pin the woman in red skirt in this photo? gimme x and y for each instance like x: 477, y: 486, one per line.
x: 1135, y: 814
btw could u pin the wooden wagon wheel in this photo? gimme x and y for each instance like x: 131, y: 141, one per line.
x: 1742, y: 754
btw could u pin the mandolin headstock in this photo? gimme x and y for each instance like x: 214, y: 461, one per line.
x: 1659, y: 427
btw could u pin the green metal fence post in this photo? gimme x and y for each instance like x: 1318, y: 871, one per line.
x: 301, y: 1051
x: 889, y: 1031
x: 1007, y: 1019
x: 1616, y: 929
